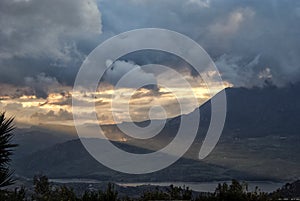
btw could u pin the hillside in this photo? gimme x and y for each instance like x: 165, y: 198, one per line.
x: 260, y: 141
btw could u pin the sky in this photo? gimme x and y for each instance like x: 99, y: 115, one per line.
x: 44, y: 42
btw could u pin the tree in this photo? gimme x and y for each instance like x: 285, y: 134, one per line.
x: 6, y: 149
x: 42, y: 188
x: 110, y: 194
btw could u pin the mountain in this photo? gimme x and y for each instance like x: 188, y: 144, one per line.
x: 37, y: 138
x: 260, y: 141
x: 264, y: 111
x: 71, y: 160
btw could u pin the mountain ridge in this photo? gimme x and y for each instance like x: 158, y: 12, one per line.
x: 259, y: 141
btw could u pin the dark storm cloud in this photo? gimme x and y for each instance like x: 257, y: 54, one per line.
x: 41, y: 84
x: 44, y: 37
x: 244, y: 37
x: 41, y: 28
x: 266, y: 32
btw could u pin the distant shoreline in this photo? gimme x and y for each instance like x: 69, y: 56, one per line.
x: 207, y: 186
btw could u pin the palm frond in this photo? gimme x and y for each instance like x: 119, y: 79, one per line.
x: 6, y: 149
x: 6, y: 177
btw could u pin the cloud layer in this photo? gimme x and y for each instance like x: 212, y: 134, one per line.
x: 43, y: 43
x: 41, y: 36
x: 43, y: 28
x: 236, y: 29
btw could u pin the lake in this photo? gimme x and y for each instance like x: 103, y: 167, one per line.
x: 266, y: 186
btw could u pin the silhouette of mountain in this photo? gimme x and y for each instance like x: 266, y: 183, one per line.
x: 37, y: 138
x: 71, y: 160
x: 260, y: 140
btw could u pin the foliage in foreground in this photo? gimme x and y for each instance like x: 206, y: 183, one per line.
x: 44, y: 191
x: 6, y: 149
